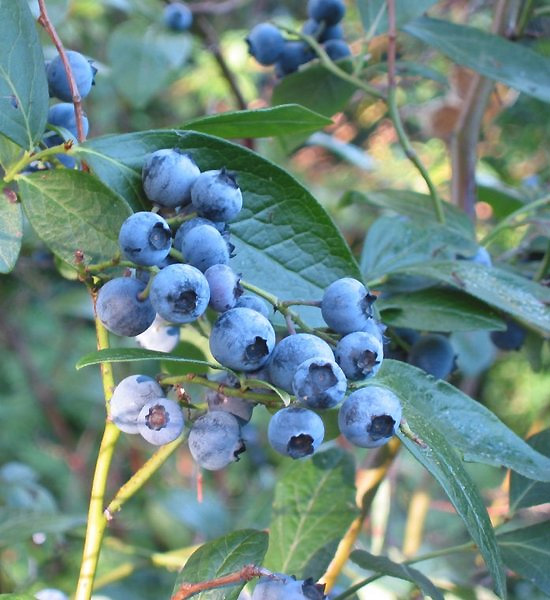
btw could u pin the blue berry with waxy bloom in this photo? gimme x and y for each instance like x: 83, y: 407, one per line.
x: 510, y: 339
x: 322, y: 33
x: 320, y: 383
x: 62, y: 115
x: 328, y: 11
x: 160, y: 421
x: 359, y: 354
x: 375, y: 328
x: 296, y: 432
x: 215, y: 195
x: 177, y: 16
x: 225, y: 287
x: 203, y: 246
x: 145, y: 238
x: 278, y: 586
x: 265, y: 43
x: 220, y: 400
x: 255, y: 303
x: 242, y: 339
x: 83, y: 73
x: 215, y: 440
x: 186, y: 226
x: 291, y: 352
x: 168, y: 175
x: 347, y: 305
x: 121, y: 310
x: 129, y: 397
x: 370, y: 416
x: 50, y: 594
x: 336, y: 49
x: 294, y: 55
x: 180, y: 293
x: 160, y: 336
x: 434, y: 354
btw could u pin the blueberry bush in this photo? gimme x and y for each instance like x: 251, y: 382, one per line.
x: 299, y: 254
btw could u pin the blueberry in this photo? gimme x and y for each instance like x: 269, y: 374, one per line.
x: 180, y: 293
x: 83, y: 73
x: 215, y: 440
x: 278, y: 586
x: 225, y: 287
x: 215, y: 195
x: 336, y: 49
x: 433, y: 353
x: 347, y: 305
x: 265, y: 43
x: 160, y: 421
x: 177, y: 16
x: 62, y: 115
x: 50, y: 594
x: 145, y: 238
x: 242, y: 339
x: 359, y: 354
x: 120, y: 310
x: 295, y: 432
x: 168, y: 175
x: 320, y: 383
x: 482, y: 257
x: 203, y: 246
x: 217, y: 400
x: 510, y: 339
x: 375, y: 328
x: 369, y: 416
x: 129, y: 397
x: 322, y: 34
x: 160, y: 336
x: 255, y: 303
x: 294, y: 55
x: 291, y: 352
x: 328, y: 11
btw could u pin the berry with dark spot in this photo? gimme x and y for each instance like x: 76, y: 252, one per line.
x: 359, y: 354
x: 346, y: 305
x: 129, y: 397
x: 160, y: 421
x: 295, y: 432
x: 320, y: 383
x: 145, y: 239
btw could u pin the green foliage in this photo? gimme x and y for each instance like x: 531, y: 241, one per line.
x: 11, y: 233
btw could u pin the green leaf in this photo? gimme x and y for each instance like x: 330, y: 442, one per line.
x: 142, y: 60
x: 394, y: 242
x: 526, y: 492
x: 282, y: 234
x: 264, y: 122
x: 374, y: 13
x: 315, y: 88
x: 441, y: 460
x: 57, y: 9
x: 17, y: 597
x: 414, y: 205
x: 17, y: 526
x: 313, y: 507
x: 466, y: 424
x: 71, y: 210
x: 503, y: 200
x: 22, y: 76
x: 11, y: 233
x: 382, y: 564
x: 525, y: 300
x: 495, y: 57
x: 223, y: 556
x: 527, y: 552
x: 437, y: 309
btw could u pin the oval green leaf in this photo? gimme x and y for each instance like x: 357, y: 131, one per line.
x: 11, y: 233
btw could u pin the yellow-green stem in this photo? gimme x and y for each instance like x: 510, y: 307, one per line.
x: 29, y: 157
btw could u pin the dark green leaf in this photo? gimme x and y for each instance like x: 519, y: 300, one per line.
x: 405, y: 11
x: 11, y: 233
x: 142, y: 59
x: 527, y: 552
x: 57, y: 9
x: 526, y: 492
x: 16, y: 526
x: 437, y: 309
x: 382, y: 564
x: 264, y: 122
x: 394, y: 242
x: 441, y: 460
x: 23, y: 86
x: 526, y: 300
x: 223, y: 556
x: 313, y: 507
x: 488, y: 54
x: 475, y: 351
x: 17, y: 597
x: 416, y: 206
x: 282, y: 234
x: 71, y: 210
x: 473, y: 429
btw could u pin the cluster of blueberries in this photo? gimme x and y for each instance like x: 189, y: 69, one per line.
x: 268, y: 46
x: 177, y: 277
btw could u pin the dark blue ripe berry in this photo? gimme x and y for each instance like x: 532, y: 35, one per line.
x: 160, y: 421
x: 180, y: 293
x: 295, y: 432
x: 62, y: 115
x: 177, y: 16
x: 347, y: 305
x: 265, y: 43
x: 255, y: 303
x: 337, y: 49
x: 294, y: 55
x: 319, y: 383
x: 215, y: 195
x: 510, y: 339
x: 83, y: 73
x: 433, y: 353
x: 121, y: 310
x: 278, y: 586
x: 203, y: 246
x: 328, y: 11
x: 359, y: 354
x: 145, y: 238
x: 321, y: 32
x: 225, y: 287
x: 369, y: 416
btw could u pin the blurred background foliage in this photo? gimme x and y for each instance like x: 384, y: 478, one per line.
x: 53, y: 415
